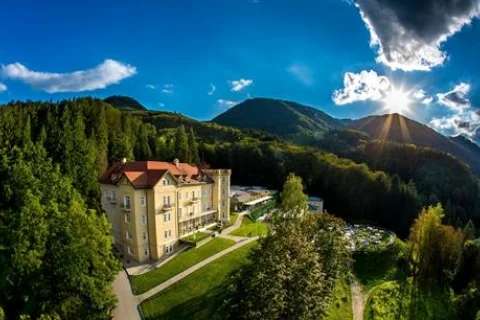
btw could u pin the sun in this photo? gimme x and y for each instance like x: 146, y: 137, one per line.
x: 396, y: 101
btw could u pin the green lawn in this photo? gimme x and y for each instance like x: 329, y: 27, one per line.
x: 249, y: 228
x: 199, y: 295
x: 233, y: 218
x: 180, y: 263
x: 401, y: 300
x: 375, y: 267
x: 341, y: 306
x: 194, y: 238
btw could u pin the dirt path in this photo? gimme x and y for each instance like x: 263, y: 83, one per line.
x: 359, y: 298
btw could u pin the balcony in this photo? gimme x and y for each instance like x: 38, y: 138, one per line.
x: 195, y: 215
x: 126, y: 208
x: 195, y: 199
x: 166, y: 208
x: 112, y: 200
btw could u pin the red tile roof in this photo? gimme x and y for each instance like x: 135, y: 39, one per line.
x: 146, y: 174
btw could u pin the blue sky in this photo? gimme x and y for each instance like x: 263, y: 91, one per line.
x: 170, y: 55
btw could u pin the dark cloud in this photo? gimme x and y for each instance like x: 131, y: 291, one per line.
x: 462, y: 124
x: 408, y: 33
x: 456, y: 99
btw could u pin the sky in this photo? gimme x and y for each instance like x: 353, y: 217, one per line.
x: 348, y: 58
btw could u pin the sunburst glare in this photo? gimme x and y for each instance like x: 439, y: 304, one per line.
x: 397, y: 101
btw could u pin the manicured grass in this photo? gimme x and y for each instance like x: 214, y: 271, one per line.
x: 233, y: 218
x: 180, y: 263
x: 375, y: 267
x: 250, y: 228
x: 199, y: 295
x: 341, y: 305
x: 194, y: 238
x: 402, y: 300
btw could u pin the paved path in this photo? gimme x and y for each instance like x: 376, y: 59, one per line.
x: 359, y: 299
x: 142, y: 297
x: 127, y: 305
x: 226, y: 232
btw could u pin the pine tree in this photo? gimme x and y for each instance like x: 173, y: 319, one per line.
x: 469, y: 230
x: 181, y: 144
x: 193, y: 148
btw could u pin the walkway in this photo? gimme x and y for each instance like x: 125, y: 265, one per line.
x: 142, y: 297
x: 226, y: 232
x: 359, y: 299
x: 126, y: 308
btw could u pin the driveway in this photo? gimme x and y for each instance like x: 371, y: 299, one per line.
x: 127, y: 305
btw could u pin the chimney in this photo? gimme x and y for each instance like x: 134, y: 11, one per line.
x: 124, y: 160
x: 175, y: 162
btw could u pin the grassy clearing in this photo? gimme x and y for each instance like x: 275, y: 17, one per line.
x: 375, y: 267
x: 180, y: 263
x: 341, y: 306
x: 401, y: 300
x: 196, y: 237
x: 233, y: 218
x: 199, y: 295
x: 249, y: 228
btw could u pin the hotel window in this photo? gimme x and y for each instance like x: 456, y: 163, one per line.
x: 179, y: 196
x: 186, y: 195
x: 193, y: 209
x: 114, y: 195
x: 144, y: 219
x: 128, y: 235
x: 145, y: 251
x: 169, y: 249
x: 168, y: 234
x: 164, y: 182
x: 179, y: 212
x: 204, y: 192
x: 142, y: 201
x: 129, y: 251
x: 223, y: 179
x: 166, y: 217
x: 126, y: 202
x: 128, y: 218
x: 168, y: 199
x: 164, y: 200
x: 223, y: 203
x: 144, y: 236
x: 193, y: 194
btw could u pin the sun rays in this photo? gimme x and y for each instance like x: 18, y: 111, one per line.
x: 397, y: 101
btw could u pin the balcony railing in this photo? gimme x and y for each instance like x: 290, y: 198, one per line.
x: 189, y: 216
x: 126, y: 207
x: 112, y: 200
x: 166, y: 208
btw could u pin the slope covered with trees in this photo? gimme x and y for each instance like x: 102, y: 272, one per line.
x: 288, y: 120
x: 124, y: 103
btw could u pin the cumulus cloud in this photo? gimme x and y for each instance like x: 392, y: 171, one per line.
x: 408, y: 34
x: 238, y: 85
x: 151, y: 86
x: 212, y: 89
x: 168, y: 88
x: 456, y: 99
x: 3, y: 87
x: 463, y: 118
x: 427, y: 101
x: 302, y: 73
x: 366, y: 85
x: 419, y: 94
x: 226, y: 103
x: 161, y: 105
x: 107, y: 73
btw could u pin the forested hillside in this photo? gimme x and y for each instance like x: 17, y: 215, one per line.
x: 289, y: 120
x: 90, y: 134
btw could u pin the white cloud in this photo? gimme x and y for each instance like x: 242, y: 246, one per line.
x: 419, y: 94
x: 161, y: 104
x: 168, y: 88
x: 238, y: 85
x: 226, y: 103
x: 3, y: 87
x: 467, y: 123
x: 427, y: 101
x: 212, y: 89
x: 151, y: 86
x: 408, y: 34
x: 463, y: 118
x: 302, y: 73
x: 366, y: 85
x: 456, y: 99
x: 107, y: 73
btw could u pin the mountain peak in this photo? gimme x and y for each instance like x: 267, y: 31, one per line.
x: 124, y: 103
x: 286, y: 119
